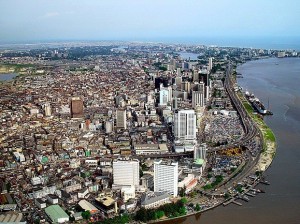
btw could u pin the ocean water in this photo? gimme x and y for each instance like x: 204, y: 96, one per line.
x: 277, y: 81
x: 276, y: 43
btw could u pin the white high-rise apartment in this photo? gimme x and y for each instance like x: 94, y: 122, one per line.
x: 126, y: 172
x: 185, y: 125
x: 121, y: 119
x: 166, y: 177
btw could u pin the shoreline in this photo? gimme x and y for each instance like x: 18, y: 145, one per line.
x: 265, y: 157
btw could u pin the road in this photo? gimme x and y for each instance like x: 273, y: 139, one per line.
x: 250, y: 128
x: 251, y: 131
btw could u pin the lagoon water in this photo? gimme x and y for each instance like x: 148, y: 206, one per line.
x: 276, y: 80
x: 7, y: 76
x: 188, y: 56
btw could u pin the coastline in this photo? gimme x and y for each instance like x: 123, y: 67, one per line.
x: 266, y: 156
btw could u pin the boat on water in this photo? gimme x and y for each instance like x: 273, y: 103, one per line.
x: 256, y: 104
x: 264, y: 182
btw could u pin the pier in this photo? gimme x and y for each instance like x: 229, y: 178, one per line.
x: 237, y: 203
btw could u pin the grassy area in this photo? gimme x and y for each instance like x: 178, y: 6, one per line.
x: 268, y: 150
x: 248, y: 107
x: 270, y: 135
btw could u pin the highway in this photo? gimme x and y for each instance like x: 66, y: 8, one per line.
x: 249, y: 126
x: 251, y: 131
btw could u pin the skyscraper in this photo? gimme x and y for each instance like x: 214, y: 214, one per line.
x: 126, y: 172
x: 121, y: 119
x: 210, y: 64
x: 178, y: 81
x: 165, y: 95
x: 198, y: 97
x: 186, y: 86
x: 47, y: 109
x: 200, y: 151
x: 185, y: 125
x: 166, y: 177
x: 76, y: 107
x: 175, y: 103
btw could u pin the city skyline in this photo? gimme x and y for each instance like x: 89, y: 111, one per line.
x: 134, y: 20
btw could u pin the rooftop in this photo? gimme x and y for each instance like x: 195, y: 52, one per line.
x: 55, y: 212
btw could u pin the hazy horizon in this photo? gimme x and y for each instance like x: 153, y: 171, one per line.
x: 134, y: 20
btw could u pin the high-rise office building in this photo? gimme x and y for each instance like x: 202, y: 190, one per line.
x: 198, y: 97
x: 121, y: 119
x: 166, y: 177
x: 126, y: 172
x: 185, y: 66
x: 207, y: 93
x: 185, y: 125
x: 210, y: 64
x: 178, y: 71
x: 186, y: 86
x: 76, y: 107
x: 47, y: 109
x: 165, y: 95
x: 178, y: 81
x: 175, y: 103
x: 196, y: 75
x: 200, y: 151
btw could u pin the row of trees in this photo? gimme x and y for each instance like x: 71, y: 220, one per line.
x: 145, y: 215
x: 122, y: 219
x: 218, y: 180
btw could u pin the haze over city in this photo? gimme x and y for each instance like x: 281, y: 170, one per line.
x: 134, y: 20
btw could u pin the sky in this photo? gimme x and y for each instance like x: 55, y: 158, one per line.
x: 137, y: 20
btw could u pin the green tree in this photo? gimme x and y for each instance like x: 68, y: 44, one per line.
x: 184, y: 200
x: 197, y: 207
x: 141, y: 215
x: 226, y: 196
x: 182, y: 191
x: 160, y: 214
x: 163, y: 68
x: 182, y: 211
x: 86, y: 215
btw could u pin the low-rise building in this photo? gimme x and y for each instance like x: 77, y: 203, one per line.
x: 87, y: 206
x: 145, y: 149
x: 82, y: 193
x: 56, y: 214
x: 155, y: 199
x: 52, y: 199
x: 40, y: 203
